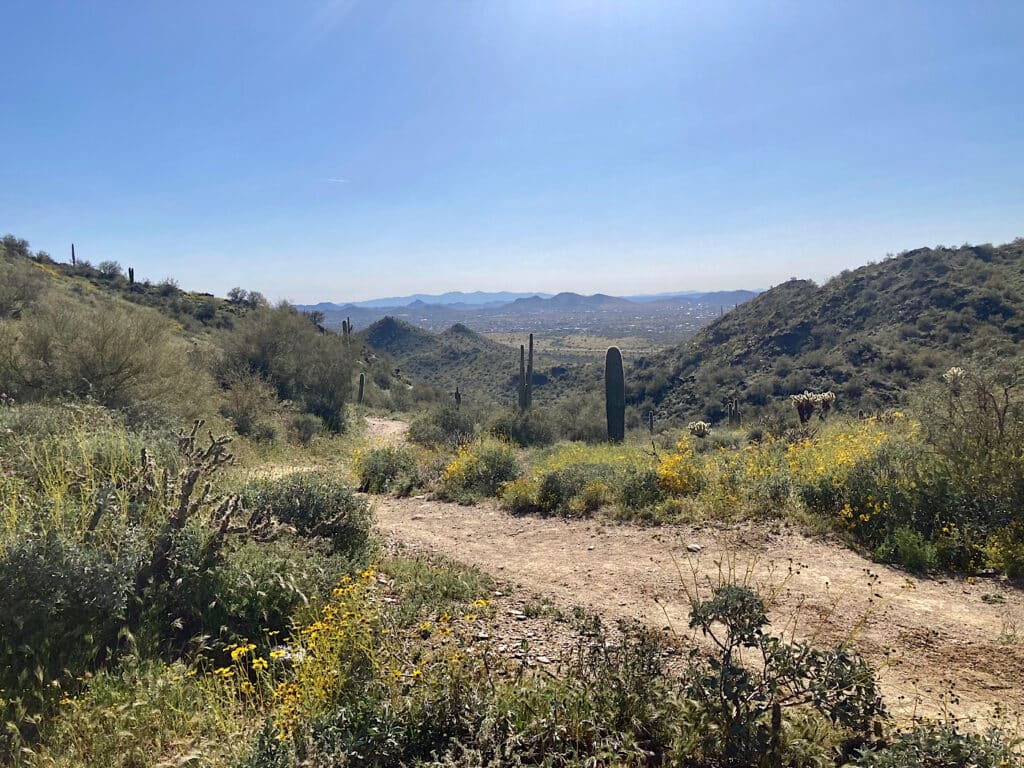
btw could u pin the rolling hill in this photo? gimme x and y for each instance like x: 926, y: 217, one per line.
x: 482, y: 369
x: 870, y: 334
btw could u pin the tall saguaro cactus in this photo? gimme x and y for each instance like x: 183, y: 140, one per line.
x: 615, y: 395
x: 522, y: 379
x: 529, y: 375
x: 362, y: 383
x: 74, y: 261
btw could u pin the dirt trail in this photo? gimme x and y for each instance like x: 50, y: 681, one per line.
x: 388, y: 431
x: 921, y: 633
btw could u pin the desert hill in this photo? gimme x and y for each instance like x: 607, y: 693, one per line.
x: 869, y: 334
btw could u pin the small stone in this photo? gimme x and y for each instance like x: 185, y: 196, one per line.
x: 694, y: 547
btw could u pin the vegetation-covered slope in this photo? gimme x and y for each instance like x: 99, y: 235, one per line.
x: 482, y: 369
x: 869, y: 334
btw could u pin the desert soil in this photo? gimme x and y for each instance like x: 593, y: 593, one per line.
x: 938, y: 643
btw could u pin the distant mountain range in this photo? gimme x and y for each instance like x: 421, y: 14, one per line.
x: 527, y: 302
x: 664, y: 319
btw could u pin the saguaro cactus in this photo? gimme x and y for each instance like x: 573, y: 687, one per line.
x: 73, y: 260
x: 522, y: 379
x: 131, y: 275
x: 615, y: 395
x: 733, y: 409
x: 529, y: 375
x: 362, y: 383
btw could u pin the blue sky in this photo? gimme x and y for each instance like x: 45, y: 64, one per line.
x: 349, y: 149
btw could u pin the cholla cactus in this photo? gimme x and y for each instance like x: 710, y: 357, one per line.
x: 954, y: 377
x: 804, y: 406
x: 825, y: 401
x: 699, y: 428
x: 808, y: 402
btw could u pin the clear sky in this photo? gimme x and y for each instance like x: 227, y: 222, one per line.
x: 355, y: 148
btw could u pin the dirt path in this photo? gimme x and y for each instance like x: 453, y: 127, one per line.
x: 921, y: 633
x: 388, y: 431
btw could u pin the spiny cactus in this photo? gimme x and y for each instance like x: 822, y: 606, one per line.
x: 699, y: 429
x: 362, y: 383
x: 529, y: 375
x: 74, y: 261
x: 954, y: 378
x: 131, y: 275
x: 615, y: 395
x: 523, y: 402
x: 346, y: 329
x: 807, y: 402
x: 458, y: 399
x: 733, y: 410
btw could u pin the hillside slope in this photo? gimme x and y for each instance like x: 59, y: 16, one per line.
x: 482, y: 369
x: 869, y: 334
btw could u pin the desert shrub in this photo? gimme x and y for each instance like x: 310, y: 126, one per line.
x: 908, y: 548
x: 21, y: 286
x: 305, y: 426
x: 118, y: 356
x: 244, y: 591
x: 433, y: 586
x: 975, y: 420
x: 62, y: 603
x: 520, y: 496
x: 284, y: 348
x: 580, y: 418
x: 388, y: 469
x: 944, y: 745
x: 639, y: 489
x: 315, y: 505
x: 442, y: 426
x: 560, y: 488
x: 741, y: 707
x: 249, y: 402
x: 530, y: 428
x: 1005, y: 550
x: 479, y: 469
x: 129, y: 714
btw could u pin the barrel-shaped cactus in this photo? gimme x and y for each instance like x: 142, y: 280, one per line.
x: 615, y: 395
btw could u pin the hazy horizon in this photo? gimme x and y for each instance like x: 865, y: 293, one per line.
x: 345, y: 150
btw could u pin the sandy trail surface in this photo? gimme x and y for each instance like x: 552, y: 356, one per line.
x: 925, y: 635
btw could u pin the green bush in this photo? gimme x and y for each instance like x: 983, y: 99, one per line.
x: 741, y: 707
x: 524, y: 429
x: 943, y: 745
x: 240, y: 593
x: 62, y: 604
x: 908, y: 548
x: 561, y: 487
x: 316, y: 505
x: 249, y: 402
x: 442, y: 426
x: 119, y: 356
x: 284, y: 348
x: 639, y: 489
x: 305, y: 427
x: 388, y: 469
x: 479, y: 469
